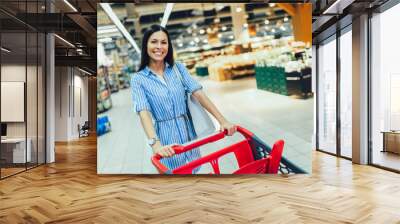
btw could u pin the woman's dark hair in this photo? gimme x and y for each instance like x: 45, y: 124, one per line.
x: 145, y: 58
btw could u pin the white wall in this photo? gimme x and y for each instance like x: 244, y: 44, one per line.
x: 61, y: 103
x: 80, y: 115
x: 33, y: 127
x: 71, y: 93
x: 12, y: 73
x: 12, y: 101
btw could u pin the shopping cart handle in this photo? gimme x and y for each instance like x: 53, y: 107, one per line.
x: 212, y: 138
x: 178, y: 149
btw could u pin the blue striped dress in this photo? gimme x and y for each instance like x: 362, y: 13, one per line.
x: 166, y: 101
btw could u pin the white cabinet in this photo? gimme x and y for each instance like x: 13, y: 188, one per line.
x: 17, y: 148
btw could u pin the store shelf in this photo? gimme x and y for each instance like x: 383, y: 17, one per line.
x: 104, y: 102
x: 123, y: 80
x: 239, y: 70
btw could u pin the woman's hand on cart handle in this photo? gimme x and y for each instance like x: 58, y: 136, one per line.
x: 228, y: 126
x: 164, y: 151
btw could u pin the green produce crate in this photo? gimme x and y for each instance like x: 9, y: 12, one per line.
x: 202, y: 71
x: 271, y: 78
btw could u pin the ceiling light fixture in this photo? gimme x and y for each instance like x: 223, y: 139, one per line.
x: 238, y: 9
x: 5, y: 49
x: 167, y: 13
x: 224, y: 28
x: 84, y: 71
x: 70, y: 5
x: 266, y: 22
x: 285, y: 19
x: 64, y: 40
x: 105, y: 40
x: 107, y: 9
x: 333, y: 7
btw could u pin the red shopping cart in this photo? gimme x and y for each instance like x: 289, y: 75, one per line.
x: 253, y: 156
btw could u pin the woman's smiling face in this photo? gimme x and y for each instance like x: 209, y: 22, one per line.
x: 157, y: 46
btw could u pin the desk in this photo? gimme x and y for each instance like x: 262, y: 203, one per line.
x: 13, y: 150
x: 391, y: 141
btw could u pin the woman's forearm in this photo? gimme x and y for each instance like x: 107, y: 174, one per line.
x: 145, y: 119
x: 209, y: 105
x: 147, y: 123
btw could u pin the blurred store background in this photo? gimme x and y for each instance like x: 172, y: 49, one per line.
x: 253, y: 60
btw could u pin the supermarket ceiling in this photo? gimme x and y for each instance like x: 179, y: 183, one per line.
x: 186, y: 20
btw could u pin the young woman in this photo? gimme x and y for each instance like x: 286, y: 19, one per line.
x: 159, y: 95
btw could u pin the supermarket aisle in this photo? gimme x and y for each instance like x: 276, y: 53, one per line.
x: 114, y: 148
x: 270, y: 116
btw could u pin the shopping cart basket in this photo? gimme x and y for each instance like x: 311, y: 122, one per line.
x: 252, y: 154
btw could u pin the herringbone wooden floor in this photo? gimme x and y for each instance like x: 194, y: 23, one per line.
x: 70, y: 191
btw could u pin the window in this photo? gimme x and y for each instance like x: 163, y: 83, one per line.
x: 385, y: 89
x: 346, y: 93
x: 327, y: 96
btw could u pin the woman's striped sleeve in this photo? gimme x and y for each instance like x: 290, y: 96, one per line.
x: 191, y: 84
x: 140, y: 101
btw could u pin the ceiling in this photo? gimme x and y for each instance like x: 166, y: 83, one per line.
x: 328, y: 16
x: 76, y: 23
x: 187, y: 21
